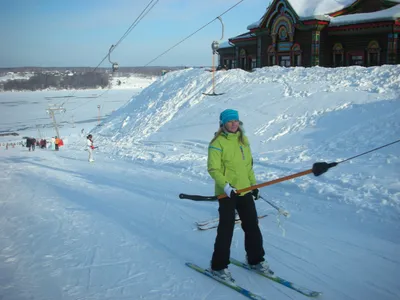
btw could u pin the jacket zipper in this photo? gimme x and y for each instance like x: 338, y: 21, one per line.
x: 241, y: 150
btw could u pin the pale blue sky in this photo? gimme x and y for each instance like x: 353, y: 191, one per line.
x: 79, y: 32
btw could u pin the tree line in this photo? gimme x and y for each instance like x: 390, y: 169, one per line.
x: 41, y: 81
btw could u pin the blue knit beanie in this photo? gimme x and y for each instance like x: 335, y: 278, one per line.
x: 228, y: 115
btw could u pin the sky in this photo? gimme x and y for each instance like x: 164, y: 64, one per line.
x: 116, y: 229
x: 48, y: 33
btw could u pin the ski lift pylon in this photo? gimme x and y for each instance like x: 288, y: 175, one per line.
x: 215, y: 47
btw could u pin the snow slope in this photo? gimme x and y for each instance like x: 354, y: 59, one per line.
x: 116, y: 229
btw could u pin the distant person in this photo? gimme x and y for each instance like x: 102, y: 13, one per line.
x: 57, y: 143
x: 90, y: 147
x: 230, y: 164
x: 53, y: 143
x: 29, y: 143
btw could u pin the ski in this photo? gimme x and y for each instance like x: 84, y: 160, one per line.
x: 204, y: 223
x: 209, y: 225
x: 230, y: 284
x: 214, y: 220
x: 299, y: 289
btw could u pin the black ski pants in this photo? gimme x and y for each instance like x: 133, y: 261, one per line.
x: 253, y: 241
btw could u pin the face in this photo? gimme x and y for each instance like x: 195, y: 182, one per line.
x: 232, y: 126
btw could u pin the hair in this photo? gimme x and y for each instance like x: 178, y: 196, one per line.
x: 222, y: 129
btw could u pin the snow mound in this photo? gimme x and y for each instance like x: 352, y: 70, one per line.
x: 293, y: 117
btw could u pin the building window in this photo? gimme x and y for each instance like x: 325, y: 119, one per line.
x: 283, y: 33
x: 272, y: 60
x: 234, y: 64
x: 373, y: 54
x: 271, y: 56
x: 253, y: 63
x: 355, y: 58
x: 228, y: 63
x: 296, y: 55
x: 338, y: 55
x: 242, y: 59
x: 284, y: 60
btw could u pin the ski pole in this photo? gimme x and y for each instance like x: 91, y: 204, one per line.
x: 280, y: 210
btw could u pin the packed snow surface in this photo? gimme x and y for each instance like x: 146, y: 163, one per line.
x: 116, y: 228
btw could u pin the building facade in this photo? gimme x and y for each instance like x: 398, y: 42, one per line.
x: 364, y: 32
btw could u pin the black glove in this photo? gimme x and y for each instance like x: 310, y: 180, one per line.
x: 321, y: 167
x: 256, y: 194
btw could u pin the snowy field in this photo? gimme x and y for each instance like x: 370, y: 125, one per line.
x: 116, y: 228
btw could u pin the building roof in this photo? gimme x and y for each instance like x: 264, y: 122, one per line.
x: 313, y: 9
x: 389, y: 14
x: 225, y: 44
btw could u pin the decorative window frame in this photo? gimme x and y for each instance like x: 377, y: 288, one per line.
x: 337, y: 49
x: 271, y: 53
x: 373, y: 48
x: 282, y: 21
x: 295, y: 52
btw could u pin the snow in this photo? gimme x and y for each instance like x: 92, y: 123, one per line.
x: 392, y: 13
x: 310, y: 8
x: 225, y: 44
x: 131, y: 81
x: 116, y: 228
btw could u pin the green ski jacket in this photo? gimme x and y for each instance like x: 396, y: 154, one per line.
x: 229, y: 161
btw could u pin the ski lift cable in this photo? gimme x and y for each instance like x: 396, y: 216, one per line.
x: 350, y: 158
x: 133, y: 25
x: 141, y: 16
x: 136, y: 22
x: 83, y: 104
x: 189, y: 36
x: 145, y: 11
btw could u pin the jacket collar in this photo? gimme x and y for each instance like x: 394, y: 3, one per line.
x: 230, y: 135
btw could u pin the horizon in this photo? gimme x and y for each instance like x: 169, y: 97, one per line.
x: 106, y: 68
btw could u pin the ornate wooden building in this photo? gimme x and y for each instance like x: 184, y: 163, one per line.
x: 331, y: 34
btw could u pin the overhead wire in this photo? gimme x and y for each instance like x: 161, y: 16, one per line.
x: 180, y: 42
x: 355, y: 156
x: 144, y: 12
x: 189, y: 36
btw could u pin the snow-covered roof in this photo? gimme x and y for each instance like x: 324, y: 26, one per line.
x: 225, y: 44
x: 254, y: 25
x: 310, y: 8
x: 243, y: 36
x: 315, y: 9
x: 392, y: 13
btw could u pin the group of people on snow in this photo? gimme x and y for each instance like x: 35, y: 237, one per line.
x: 54, y: 144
